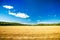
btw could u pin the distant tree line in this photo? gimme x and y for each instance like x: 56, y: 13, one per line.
x: 18, y: 24
x: 56, y: 24
x: 11, y: 24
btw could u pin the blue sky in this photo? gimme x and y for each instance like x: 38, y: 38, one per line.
x: 30, y: 11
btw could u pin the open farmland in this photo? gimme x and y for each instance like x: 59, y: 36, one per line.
x: 29, y: 32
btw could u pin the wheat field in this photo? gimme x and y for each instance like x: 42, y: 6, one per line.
x: 29, y: 32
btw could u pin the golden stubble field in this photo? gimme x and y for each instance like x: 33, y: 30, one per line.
x: 29, y: 32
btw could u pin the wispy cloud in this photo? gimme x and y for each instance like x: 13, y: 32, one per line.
x: 8, y: 7
x: 11, y: 13
x: 19, y: 14
x: 44, y: 22
x: 38, y: 21
x: 48, y: 22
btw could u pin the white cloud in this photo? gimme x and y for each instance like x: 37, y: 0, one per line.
x: 21, y: 15
x: 8, y: 7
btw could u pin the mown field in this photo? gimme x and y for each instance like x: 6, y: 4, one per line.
x: 29, y: 32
